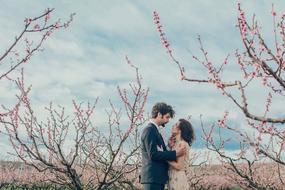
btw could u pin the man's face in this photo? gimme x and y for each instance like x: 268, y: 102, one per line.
x: 164, y: 119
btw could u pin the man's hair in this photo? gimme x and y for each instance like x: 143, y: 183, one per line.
x: 162, y: 108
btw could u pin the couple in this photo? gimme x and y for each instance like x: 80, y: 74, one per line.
x: 159, y: 163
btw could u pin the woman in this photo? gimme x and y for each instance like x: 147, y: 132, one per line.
x: 182, y: 135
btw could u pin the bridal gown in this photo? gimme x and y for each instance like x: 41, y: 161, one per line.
x: 178, y: 178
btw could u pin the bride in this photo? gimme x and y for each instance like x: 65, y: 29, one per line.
x: 182, y: 135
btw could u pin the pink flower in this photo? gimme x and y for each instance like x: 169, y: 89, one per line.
x: 28, y: 20
x: 273, y: 11
x: 36, y: 27
x: 164, y: 40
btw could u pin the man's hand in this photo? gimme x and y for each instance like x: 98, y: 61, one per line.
x: 180, y: 151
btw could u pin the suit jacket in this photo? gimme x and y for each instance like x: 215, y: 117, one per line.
x: 154, y: 156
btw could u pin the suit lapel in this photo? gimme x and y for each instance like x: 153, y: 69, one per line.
x: 163, y: 144
x: 160, y: 137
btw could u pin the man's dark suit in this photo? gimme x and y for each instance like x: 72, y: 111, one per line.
x: 154, y: 160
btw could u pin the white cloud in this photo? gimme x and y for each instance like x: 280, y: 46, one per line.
x: 88, y: 59
x: 64, y: 48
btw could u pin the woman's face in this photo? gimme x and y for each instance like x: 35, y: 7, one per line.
x: 175, y: 129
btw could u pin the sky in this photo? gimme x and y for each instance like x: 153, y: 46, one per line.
x: 87, y: 60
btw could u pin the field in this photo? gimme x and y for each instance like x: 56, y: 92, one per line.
x: 15, y: 175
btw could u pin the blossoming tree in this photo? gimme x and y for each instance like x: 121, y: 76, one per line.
x: 261, y: 63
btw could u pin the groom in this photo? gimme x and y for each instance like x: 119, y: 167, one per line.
x: 154, y: 173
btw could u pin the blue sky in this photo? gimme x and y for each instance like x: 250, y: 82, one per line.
x: 88, y: 59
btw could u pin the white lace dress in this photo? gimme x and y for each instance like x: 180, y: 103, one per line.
x: 178, y: 178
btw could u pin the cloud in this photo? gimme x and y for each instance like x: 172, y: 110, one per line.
x: 64, y: 48
x: 88, y: 59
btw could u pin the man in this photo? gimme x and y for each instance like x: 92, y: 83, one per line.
x: 154, y: 173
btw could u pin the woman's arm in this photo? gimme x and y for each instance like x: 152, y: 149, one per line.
x: 178, y: 165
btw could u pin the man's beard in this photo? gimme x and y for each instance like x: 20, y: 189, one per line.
x: 163, y: 125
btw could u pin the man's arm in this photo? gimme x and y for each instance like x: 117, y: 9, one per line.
x: 151, y: 147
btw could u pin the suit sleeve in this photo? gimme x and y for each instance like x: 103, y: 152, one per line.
x: 150, y: 144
